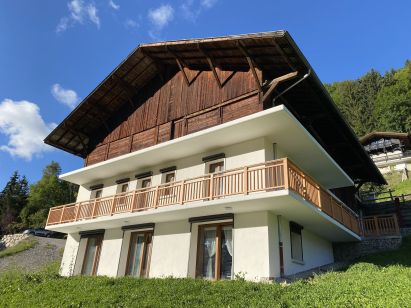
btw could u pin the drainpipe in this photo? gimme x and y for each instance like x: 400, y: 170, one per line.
x: 280, y: 247
x: 292, y: 86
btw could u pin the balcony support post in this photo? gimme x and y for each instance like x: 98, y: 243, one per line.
x: 156, y: 197
x: 286, y: 180
x: 77, y: 211
x: 113, y: 204
x: 133, y: 199
x: 211, y: 186
x: 94, y: 208
x: 62, y: 212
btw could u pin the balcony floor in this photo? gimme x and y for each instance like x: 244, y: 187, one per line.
x: 282, y: 202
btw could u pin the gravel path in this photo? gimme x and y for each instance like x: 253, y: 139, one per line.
x: 47, y: 250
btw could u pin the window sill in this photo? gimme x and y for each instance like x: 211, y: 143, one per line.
x: 298, y: 262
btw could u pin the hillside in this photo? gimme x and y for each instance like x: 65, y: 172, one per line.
x: 376, y: 102
x: 381, y: 280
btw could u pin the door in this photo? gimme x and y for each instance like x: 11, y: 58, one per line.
x: 215, y: 252
x: 138, y: 263
x: 143, y: 199
x: 92, y: 255
x: 122, y: 199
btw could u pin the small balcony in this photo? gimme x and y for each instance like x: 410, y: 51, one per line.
x: 270, y: 176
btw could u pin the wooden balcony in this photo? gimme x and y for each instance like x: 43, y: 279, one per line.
x: 381, y: 225
x: 269, y: 176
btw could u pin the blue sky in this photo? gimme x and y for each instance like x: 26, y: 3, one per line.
x: 53, y: 53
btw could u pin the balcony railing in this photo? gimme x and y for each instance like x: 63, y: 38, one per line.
x: 381, y: 225
x: 269, y: 176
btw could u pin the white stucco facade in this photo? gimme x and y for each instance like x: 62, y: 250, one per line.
x: 174, y: 249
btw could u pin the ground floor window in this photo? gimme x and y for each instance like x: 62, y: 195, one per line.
x: 92, y: 255
x: 139, y: 254
x: 296, y: 242
x: 215, y: 251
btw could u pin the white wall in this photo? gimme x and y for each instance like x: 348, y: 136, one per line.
x: 251, y: 246
x: 237, y: 155
x: 110, y: 252
x: 316, y: 250
x: 70, y: 253
x: 170, y: 251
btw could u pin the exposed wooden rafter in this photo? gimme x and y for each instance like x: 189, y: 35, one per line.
x: 281, y: 52
x: 251, y: 63
x: 275, y: 82
x: 211, y: 65
x: 158, y: 68
x: 180, y: 64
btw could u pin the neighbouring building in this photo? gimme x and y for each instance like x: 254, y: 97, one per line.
x: 390, y: 151
x: 210, y: 158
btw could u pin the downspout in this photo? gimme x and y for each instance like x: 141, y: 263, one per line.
x: 280, y: 247
x: 291, y: 86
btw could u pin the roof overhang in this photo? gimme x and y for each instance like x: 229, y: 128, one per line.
x: 274, y: 52
x: 276, y: 123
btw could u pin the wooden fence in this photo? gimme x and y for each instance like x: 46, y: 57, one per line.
x: 380, y: 225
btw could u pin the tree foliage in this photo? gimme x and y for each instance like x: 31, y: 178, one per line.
x: 13, y: 199
x: 376, y: 102
x: 49, y: 191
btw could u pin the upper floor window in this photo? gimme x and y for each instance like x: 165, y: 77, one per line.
x: 98, y: 193
x: 170, y: 177
x: 124, y: 188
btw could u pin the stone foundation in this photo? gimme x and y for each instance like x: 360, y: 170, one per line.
x: 353, y: 250
x: 11, y: 240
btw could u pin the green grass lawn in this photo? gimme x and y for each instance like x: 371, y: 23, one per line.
x: 382, y: 280
x: 21, y: 246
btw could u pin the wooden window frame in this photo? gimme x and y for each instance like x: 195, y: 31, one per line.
x: 297, y: 229
x: 143, y: 255
x: 96, y: 258
x: 217, y: 264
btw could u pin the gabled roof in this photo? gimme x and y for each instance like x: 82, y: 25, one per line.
x: 274, y: 52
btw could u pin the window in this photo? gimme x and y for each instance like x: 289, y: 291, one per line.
x: 296, y: 242
x: 124, y: 188
x: 139, y: 254
x: 98, y: 193
x: 92, y: 255
x: 218, y: 184
x: 215, y: 251
x: 170, y: 177
x: 145, y: 183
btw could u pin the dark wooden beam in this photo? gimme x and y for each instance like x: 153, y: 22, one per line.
x: 211, y: 65
x: 275, y: 82
x: 283, y: 55
x: 251, y: 63
x: 180, y: 64
x: 159, y: 70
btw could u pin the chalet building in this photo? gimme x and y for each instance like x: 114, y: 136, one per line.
x: 390, y: 151
x: 210, y: 158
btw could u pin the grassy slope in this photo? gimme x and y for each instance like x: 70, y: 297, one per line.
x: 21, y: 246
x: 382, y: 280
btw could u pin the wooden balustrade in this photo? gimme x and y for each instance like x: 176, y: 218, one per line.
x: 269, y: 176
x: 381, y: 225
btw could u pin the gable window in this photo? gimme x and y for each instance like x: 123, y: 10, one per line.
x: 215, y: 251
x: 296, y: 242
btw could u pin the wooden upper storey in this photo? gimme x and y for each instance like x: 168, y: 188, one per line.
x: 162, y: 91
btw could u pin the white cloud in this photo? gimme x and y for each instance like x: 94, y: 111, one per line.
x: 208, y: 4
x: 65, y: 96
x: 114, y: 5
x: 79, y: 13
x: 191, y: 9
x: 22, y: 123
x: 161, y: 16
x: 130, y: 24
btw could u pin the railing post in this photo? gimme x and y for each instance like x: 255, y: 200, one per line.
x: 211, y: 186
x: 245, y: 181
x: 319, y: 197
x: 182, y: 192
x: 286, y: 180
x: 133, y: 199
x: 304, y: 186
x: 61, y: 216
x: 113, y: 204
x: 156, y: 197
x: 77, y: 212
x: 94, y: 208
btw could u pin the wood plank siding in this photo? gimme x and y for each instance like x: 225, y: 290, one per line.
x: 171, y: 109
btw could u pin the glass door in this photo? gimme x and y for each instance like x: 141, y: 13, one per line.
x: 138, y: 263
x: 92, y: 255
x: 215, y: 252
